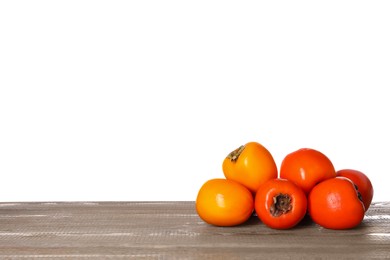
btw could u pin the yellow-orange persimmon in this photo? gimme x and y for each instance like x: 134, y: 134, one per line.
x: 251, y: 165
x: 224, y: 202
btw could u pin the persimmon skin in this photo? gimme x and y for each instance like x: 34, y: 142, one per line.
x: 222, y: 202
x: 267, y: 196
x: 363, y: 183
x: 253, y: 166
x: 306, y: 167
x: 335, y: 204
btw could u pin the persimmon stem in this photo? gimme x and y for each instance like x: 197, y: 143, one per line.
x: 281, y: 205
x: 233, y: 156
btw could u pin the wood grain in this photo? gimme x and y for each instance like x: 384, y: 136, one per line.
x: 173, y: 230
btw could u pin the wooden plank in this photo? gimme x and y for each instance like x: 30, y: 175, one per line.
x: 173, y: 230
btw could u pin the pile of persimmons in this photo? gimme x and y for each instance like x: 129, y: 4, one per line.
x: 307, y: 184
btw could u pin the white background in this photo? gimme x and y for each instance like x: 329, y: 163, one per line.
x: 142, y: 100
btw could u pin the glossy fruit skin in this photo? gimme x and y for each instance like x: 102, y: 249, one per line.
x: 306, y: 167
x: 265, y: 201
x: 362, y: 182
x: 222, y: 202
x: 334, y: 204
x: 254, y: 166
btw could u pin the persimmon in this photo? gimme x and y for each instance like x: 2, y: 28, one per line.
x: 222, y: 202
x: 362, y: 182
x: 251, y: 165
x: 280, y: 204
x: 306, y: 167
x: 335, y: 204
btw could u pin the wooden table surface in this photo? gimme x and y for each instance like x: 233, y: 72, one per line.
x: 173, y: 230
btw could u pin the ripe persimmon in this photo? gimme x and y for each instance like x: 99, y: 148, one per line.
x: 362, y: 182
x: 306, y: 167
x: 335, y: 204
x: 280, y: 204
x: 251, y: 165
x: 224, y: 202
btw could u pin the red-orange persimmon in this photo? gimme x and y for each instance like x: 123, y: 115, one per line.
x: 362, y: 182
x: 280, y: 204
x: 335, y: 204
x: 306, y: 167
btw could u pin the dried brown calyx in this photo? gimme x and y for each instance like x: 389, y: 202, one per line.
x: 358, y: 193
x: 281, y: 205
x: 233, y: 156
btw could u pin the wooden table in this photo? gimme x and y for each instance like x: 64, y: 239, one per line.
x: 173, y: 230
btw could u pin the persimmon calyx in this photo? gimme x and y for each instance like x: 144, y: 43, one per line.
x: 281, y: 205
x: 358, y: 192
x: 233, y: 156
